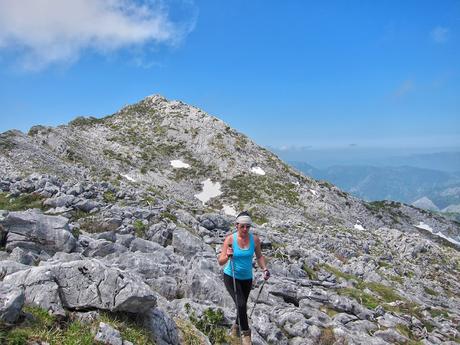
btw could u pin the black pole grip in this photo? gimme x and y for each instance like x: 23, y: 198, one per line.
x: 230, y: 245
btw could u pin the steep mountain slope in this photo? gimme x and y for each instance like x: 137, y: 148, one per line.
x: 126, y: 192
x: 138, y: 143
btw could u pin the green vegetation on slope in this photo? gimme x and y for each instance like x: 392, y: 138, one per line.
x: 43, y: 327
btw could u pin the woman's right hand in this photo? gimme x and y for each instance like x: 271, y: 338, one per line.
x: 229, y: 252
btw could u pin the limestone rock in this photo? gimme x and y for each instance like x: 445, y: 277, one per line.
x: 82, y: 285
x: 32, y: 230
x: 11, y: 302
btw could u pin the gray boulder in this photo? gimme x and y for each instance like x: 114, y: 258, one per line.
x: 76, y: 189
x: 204, y: 281
x: 108, y: 335
x: 162, y: 327
x: 84, y: 284
x: 86, y: 205
x: 60, y: 201
x: 188, y: 244
x: 21, y: 256
x: 141, y: 245
x: 161, y: 270
x: 11, y: 302
x: 35, y: 231
x: 100, y: 248
x: 9, y: 266
x: 124, y: 240
x: 391, y: 336
x: 213, y: 221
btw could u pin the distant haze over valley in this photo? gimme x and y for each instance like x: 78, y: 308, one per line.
x: 443, y: 159
x: 423, y: 178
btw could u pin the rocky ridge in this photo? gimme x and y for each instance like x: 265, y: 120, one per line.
x: 96, y: 217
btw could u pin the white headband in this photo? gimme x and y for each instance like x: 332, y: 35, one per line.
x: 244, y: 220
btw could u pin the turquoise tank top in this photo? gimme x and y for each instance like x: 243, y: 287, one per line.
x: 242, y: 260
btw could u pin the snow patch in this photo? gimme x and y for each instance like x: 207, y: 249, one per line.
x: 358, y: 227
x: 257, y: 170
x: 424, y: 226
x: 177, y: 163
x: 314, y: 192
x: 210, y: 190
x: 229, y: 210
x: 129, y: 178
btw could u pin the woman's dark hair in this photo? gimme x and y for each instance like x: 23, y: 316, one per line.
x: 244, y: 213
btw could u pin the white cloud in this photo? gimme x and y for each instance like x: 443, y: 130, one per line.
x: 45, y: 32
x: 440, y: 34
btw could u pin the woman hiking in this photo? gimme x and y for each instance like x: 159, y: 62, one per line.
x: 240, y: 247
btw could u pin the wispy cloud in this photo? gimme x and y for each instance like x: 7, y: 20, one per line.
x: 45, y: 32
x: 404, y: 88
x: 440, y: 34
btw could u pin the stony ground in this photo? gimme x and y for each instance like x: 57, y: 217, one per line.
x: 98, y: 226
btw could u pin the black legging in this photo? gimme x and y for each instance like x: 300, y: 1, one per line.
x: 243, y: 288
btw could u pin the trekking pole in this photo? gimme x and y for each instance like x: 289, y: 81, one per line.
x: 257, y: 299
x: 236, y: 295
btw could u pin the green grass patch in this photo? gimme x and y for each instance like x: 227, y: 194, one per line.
x: 406, y: 307
x: 395, y: 278
x: 330, y: 312
x: 339, y: 273
x: 168, y: 215
x: 85, y: 121
x: 130, y: 327
x: 430, y: 291
x: 435, y: 312
x: 210, y: 323
x: 386, y: 293
x: 140, y: 228
x: 42, y: 327
x: 248, y: 189
x: 189, y: 334
x: 384, y: 264
x: 109, y: 197
x: 367, y: 300
x: 7, y: 141
x: 310, y: 272
x: 22, y: 202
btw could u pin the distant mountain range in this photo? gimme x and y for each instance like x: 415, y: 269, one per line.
x: 447, y: 160
x: 425, y: 188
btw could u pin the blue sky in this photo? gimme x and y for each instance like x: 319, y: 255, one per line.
x: 286, y: 73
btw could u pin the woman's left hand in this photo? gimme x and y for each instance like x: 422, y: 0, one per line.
x: 266, y: 274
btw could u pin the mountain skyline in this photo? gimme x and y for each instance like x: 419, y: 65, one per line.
x: 298, y: 74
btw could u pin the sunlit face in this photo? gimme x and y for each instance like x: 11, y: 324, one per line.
x: 243, y: 228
